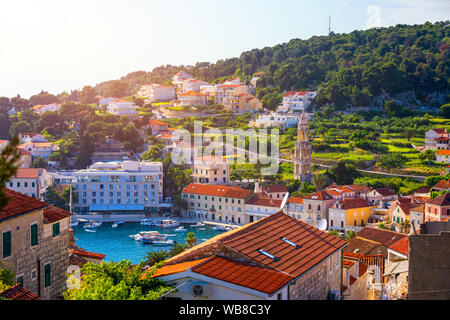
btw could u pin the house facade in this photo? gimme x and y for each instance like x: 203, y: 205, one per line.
x: 350, y: 214
x: 192, y: 98
x: 122, y: 108
x: 438, y: 209
x: 437, y: 139
x: 32, y: 182
x: 302, y: 263
x: 210, y: 169
x: 157, y: 92
x: 443, y: 156
x: 34, y: 243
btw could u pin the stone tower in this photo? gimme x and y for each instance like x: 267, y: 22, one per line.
x: 302, y: 153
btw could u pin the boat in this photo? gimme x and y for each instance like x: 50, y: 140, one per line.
x: 198, y: 225
x: 220, y: 228
x: 119, y: 222
x: 74, y: 224
x: 90, y: 230
x: 146, y: 234
x: 147, y: 222
x: 180, y: 229
x: 82, y: 220
x: 115, y: 225
x: 163, y: 242
x: 201, y: 229
x: 168, y: 223
x: 93, y: 224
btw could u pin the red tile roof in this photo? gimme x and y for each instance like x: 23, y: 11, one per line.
x: 28, y: 173
x: 442, y: 201
x: 18, y: 292
x: 266, y: 202
x: 175, y: 268
x: 158, y: 123
x: 295, y: 200
x: 385, y: 191
x: 348, y: 263
x: 84, y: 253
x: 217, y: 190
x: 444, y: 152
x: 191, y: 93
x: 443, y: 184
x: 321, y: 195
x: 18, y: 204
x: 401, y: 246
x: 274, y: 188
x: 313, y: 245
x: 53, y: 214
x: 383, y: 237
x: 440, y: 131
x: 242, y: 274
x: 24, y: 152
x: 351, y: 203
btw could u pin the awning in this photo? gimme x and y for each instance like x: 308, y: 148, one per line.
x: 396, y: 268
x: 116, y: 207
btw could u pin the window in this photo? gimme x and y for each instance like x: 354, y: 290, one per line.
x: 47, y: 275
x: 18, y: 184
x: 20, y: 280
x: 34, y: 234
x: 56, y: 229
x: 26, y: 184
x: 6, y: 244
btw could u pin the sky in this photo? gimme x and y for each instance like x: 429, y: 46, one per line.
x: 62, y: 45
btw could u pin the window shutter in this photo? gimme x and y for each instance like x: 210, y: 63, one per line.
x: 47, y: 278
x: 6, y: 244
x: 56, y: 230
x: 34, y: 235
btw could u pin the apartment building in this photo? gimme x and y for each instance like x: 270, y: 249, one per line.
x: 192, y: 84
x: 211, y: 169
x: 34, y: 243
x: 349, y: 214
x: 216, y: 202
x: 242, y: 102
x: 41, y: 109
x: 32, y: 182
x: 296, y: 101
x: 229, y: 91
x: 126, y: 187
x: 437, y: 139
x: 191, y: 98
x: 157, y: 92
x: 122, y: 108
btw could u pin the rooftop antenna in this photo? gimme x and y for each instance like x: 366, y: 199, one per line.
x: 285, y: 199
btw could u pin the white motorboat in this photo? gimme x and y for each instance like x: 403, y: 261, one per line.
x: 119, y: 222
x: 147, y: 222
x: 93, y: 224
x: 220, y: 228
x: 146, y: 234
x: 162, y: 242
x: 74, y: 223
x: 90, y: 230
x: 115, y: 225
x: 83, y: 220
x: 180, y: 229
x: 198, y: 225
x: 168, y: 223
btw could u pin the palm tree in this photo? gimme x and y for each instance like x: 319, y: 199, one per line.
x: 191, y: 239
x: 177, y: 249
x: 406, y: 226
x: 154, y: 257
x: 319, y: 181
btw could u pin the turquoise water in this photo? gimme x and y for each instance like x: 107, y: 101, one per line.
x: 117, y: 245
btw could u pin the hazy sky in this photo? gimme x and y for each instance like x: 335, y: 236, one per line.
x: 60, y: 45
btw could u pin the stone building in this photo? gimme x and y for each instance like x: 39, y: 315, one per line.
x: 302, y: 155
x: 429, y: 262
x: 302, y: 262
x: 34, y: 243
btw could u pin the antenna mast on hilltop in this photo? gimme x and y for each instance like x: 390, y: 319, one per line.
x: 329, y: 25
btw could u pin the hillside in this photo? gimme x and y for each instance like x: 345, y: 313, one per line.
x: 348, y: 69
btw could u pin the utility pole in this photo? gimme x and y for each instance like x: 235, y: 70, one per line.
x: 329, y: 25
x: 70, y: 206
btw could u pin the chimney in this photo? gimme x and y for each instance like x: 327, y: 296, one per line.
x: 257, y: 188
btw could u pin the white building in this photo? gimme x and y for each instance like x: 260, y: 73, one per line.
x: 260, y: 207
x: 192, y: 85
x: 128, y: 186
x: 280, y: 120
x: 122, y: 108
x: 105, y: 101
x: 229, y: 91
x: 296, y: 101
x: 157, y: 92
x: 32, y: 137
x: 443, y: 156
x: 41, y: 109
x: 192, y: 98
x: 437, y: 139
x: 210, y: 169
x: 42, y: 149
x: 31, y: 182
x: 179, y: 77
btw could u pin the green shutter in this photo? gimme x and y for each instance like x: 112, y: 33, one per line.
x: 56, y: 230
x: 34, y: 235
x: 47, y: 270
x: 6, y: 244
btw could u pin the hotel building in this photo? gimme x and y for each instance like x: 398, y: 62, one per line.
x: 128, y: 186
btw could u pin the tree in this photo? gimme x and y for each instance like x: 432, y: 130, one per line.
x: 117, y: 89
x: 43, y: 98
x: 117, y: 281
x: 40, y: 162
x: 154, y: 257
x: 343, y: 173
x: 8, y: 167
x: 428, y: 155
x: 432, y: 180
x: 445, y: 110
x: 191, y: 239
x: 52, y: 197
x: 320, y: 181
x: 7, y: 277
x: 153, y: 154
x: 391, y: 161
x: 88, y: 95
x: 83, y: 158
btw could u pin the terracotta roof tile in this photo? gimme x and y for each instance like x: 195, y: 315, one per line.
x: 274, y: 188
x: 383, y: 237
x: 53, y: 214
x: 401, y: 246
x: 321, y: 195
x: 295, y: 200
x: 18, y: 292
x: 28, y: 173
x: 217, y: 190
x: 385, y: 191
x: 351, y: 203
x: 18, y: 204
x: 176, y: 268
x: 84, y: 253
x: 253, y: 277
x: 442, y: 201
x: 443, y: 184
x: 266, y: 202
